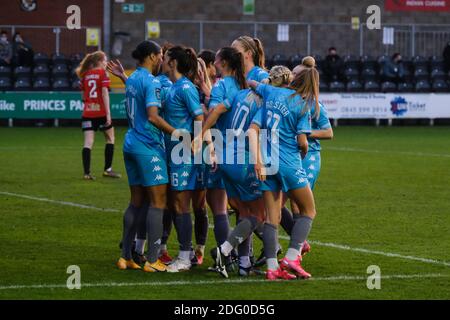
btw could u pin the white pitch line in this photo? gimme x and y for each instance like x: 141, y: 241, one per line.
x: 212, y: 282
x: 381, y: 253
x: 64, y: 203
x: 388, y: 152
x: 319, y: 243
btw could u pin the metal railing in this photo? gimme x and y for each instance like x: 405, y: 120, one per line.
x: 310, y: 38
x: 53, y: 39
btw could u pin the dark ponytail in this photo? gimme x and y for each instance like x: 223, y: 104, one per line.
x: 235, y: 62
x: 186, y: 59
x: 145, y: 49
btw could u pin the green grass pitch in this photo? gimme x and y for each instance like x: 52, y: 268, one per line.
x: 383, y: 198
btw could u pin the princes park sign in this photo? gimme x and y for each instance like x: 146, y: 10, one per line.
x: 52, y: 105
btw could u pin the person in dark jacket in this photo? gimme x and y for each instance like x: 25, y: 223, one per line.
x: 446, y: 56
x: 393, y: 69
x: 22, y: 51
x: 333, y: 66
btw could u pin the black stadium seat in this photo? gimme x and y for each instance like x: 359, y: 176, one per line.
x: 438, y: 74
x: 388, y: 86
x: 337, y: 86
x: 354, y: 86
x: 440, y: 86
x: 421, y: 74
x: 41, y: 84
x: 22, y: 72
x: 352, y: 61
x: 371, y: 86
x: 40, y: 58
x: 5, y: 71
x: 368, y: 74
x: 295, y: 60
x: 368, y: 62
x: 405, y: 87
x: 59, y: 58
x: 41, y: 70
x: 60, y: 85
x: 423, y: 86
x: 351, y: 74
x: 437, y: 62
x: 22, y: 84
x: 59, y: 70
x: 420, y: 62
x: 5, y: 83
x: 75, y: 85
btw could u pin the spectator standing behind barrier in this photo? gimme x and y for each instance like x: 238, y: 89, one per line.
x: 393, y: 69
x: 22, y: 51
x: 5, y: 49
x: 446, y: 55
x: 334, y: 66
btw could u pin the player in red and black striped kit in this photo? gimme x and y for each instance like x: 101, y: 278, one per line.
x: 94, y: 83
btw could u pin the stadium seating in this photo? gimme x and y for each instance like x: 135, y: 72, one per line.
x: 354, y: 86
x: 337, y: 86
x: 405, y: 87
x: 61, y: 84
x: 371, y: 86
x: 5, y: 71
x: 295, y: 60
x: 40, y: 58
x: 59, y: 58
x: 423, y: 86
x: 5, y: 83
x: 41, y: 84
x: 362, y: 74
x: 41, y: 71
x: 279, y: 59
x: 22, y: 84
x: 440, y: 86
x: 388, y: 86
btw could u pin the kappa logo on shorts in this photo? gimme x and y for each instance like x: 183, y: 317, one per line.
x: 301, y: 180
x: 312, y: 158
x: 159, y: 177
x: 312, y: 167
x: 254, y: 184
x: 157, y: 169
x: 155, y: 159
x: 158, y: 242
x: 185, y: 174
x: 310, y: 176
x: 184, y: 184
x: 298, y: 172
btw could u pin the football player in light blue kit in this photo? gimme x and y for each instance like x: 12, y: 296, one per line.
x: 144, y: 156
x: 254, y: 65
x: 182, y: 108
x: 253, y: 52
x: 286, y: 116
x: 321, y: 129
x: 228, y: 62
x: 233, y: 117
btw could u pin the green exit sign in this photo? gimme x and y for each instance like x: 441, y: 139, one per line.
x: 133, y: 8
